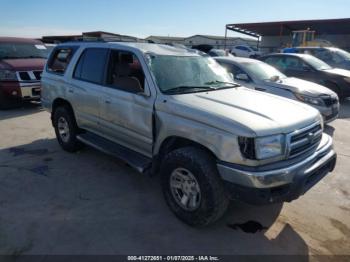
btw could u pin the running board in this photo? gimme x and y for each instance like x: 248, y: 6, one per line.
x: 134, y: 159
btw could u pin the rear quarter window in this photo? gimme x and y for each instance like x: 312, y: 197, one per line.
x: 91, y: 66
x: 60, y: 59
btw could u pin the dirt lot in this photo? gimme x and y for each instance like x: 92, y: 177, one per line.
x: 54, y: 202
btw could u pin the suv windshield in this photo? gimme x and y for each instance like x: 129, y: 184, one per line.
x: 20, y: 50
x: 316, y: 63
x: 186, y: 74
x: 262, y: 71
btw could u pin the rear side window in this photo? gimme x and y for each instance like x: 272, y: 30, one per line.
x: 91, y: 65
x: 60, y: 59
x: 276, y: 61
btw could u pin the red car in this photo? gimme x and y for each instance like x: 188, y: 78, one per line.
x: 21, y: 64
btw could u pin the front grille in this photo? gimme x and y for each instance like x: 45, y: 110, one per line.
x: 37, y: 74
x: 304, y: 140
x: 24, y: 76
x: 29, y: 75
x: 329, y: 100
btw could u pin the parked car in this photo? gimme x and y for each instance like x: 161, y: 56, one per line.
x: 260, y: 76
x: 245, y: 51
x: 219, y: 52
x: 333, y: 56
x: 169, y: 111
x: 21, y: 64
x: 310, y: 68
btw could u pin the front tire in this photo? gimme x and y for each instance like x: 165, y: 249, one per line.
x: 66, y: 129
x: 192, y: 187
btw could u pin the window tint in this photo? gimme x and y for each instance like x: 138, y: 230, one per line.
x: 276, y: 62
x: 233, y: 69
x: 292, y: 63
x: 91, y: 65
x: 125, y: 72
x: 60, y: 59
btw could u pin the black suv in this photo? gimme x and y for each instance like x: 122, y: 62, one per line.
x: 310, y: 68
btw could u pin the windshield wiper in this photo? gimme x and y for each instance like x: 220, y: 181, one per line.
x: 217, y: 82
x: 187, y: 89
x: 8, y: 57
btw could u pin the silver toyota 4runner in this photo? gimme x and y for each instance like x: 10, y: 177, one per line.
x: 170, y: 111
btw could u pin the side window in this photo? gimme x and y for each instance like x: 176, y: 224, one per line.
x: 293, y: 63
x: 236, y: 70
x: 125, y: 72
x: 324, y: 55
x: 276, y: 61
x: 91, y: 65
x: 60, y: 59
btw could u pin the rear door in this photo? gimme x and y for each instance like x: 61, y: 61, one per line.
x: 127, y: 102
x: 85, y: 90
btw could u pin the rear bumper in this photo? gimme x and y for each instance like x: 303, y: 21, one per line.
x: 279, y: 184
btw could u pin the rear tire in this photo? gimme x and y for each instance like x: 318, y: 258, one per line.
x: 66, y: 129
x: 211, y: 203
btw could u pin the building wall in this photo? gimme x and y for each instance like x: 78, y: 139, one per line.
x: 163, y: 40
x: 217, y: 43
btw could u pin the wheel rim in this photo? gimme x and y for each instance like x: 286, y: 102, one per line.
x: 185, y: 189
x: 63, y: 129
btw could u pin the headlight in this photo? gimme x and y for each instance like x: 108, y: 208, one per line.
x: 270, y: 146
x: 7, y: 75
x: 309, y: 99
x: 262, y: 147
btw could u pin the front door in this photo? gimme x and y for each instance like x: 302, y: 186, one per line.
x: 127, y: 103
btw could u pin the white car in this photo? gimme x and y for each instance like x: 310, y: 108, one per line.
x: 245, y: 51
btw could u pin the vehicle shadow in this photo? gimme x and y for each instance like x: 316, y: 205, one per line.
x: 90, y: 203
x: 344, y: 111
x: 26, y: 108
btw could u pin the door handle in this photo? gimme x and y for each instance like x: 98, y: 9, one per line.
x: 260, y: 89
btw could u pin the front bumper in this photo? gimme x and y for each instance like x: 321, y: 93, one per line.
x: 276, y: 183
x: 15, y: 92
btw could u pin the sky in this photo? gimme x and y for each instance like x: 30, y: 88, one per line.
x: 141, y: 18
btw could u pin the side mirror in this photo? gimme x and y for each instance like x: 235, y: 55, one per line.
x: 242, y: 77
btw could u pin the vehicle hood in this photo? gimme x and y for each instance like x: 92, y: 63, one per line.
x: 242, y: 111
x: 297, y: 85
x: 26, y: 64
x: 339, y: 71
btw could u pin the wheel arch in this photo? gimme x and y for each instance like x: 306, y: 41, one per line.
x: 172, y: 143
x: 58, y: 102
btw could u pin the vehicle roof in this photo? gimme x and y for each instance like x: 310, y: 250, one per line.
x: 289, y: 54
x: 237, y: 59
x: 319, y: 47
x: 19, y: 40
x: 157, y: 49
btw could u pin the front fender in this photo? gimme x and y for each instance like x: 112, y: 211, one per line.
x: 222, y: 144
